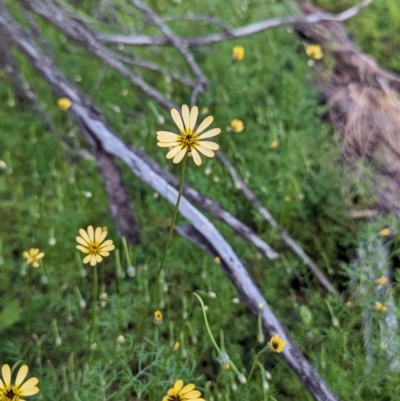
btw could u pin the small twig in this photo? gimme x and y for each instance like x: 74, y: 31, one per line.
x: 288, y: 240
x: 251, y: 29
x: 202, y: 81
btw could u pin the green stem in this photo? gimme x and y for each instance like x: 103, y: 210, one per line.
x: 164, y: 256
x: 255, y: 363
x: 93, y: 321
x: 212, y: 337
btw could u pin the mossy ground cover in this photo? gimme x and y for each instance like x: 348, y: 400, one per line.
x: 48, y: 191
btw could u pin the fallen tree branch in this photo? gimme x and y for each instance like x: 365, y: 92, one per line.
x: 87, y: 115
x: 251, y: 29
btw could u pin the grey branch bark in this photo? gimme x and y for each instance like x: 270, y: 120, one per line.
x: 82, y: 109
x: 251, y: 29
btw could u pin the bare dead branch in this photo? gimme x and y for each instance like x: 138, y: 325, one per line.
x: 84, y: 111
x: 289, y: 241
x: 208, y: 19
x: 251, y: 29
x: 213, y: 208
x: 202, y: 81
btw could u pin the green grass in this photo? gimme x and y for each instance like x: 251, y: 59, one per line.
x: 48, y: 190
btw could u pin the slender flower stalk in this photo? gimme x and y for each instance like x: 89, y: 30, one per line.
x: 218, y: 349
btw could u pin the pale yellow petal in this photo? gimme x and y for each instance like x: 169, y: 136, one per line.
x: 40, y: 256
x: 212, y: 132
x: 1, y: 384
x: 206, y: 152
x: 22, y: 372
x: 187, y: 388
x: 193, y: 116
x: 83, y: 248
x: 81, y: 241
x: 107, y: 243
x: 29, y: 384
x: 179, y: 156
x: 196, y: 157
x: 98, y: 258
x: 87, y: 259
x: 35, y: 264
x: 93, y: 261
x: 165, y: 398
x: 6, y: 373
x: 185, y: 116
x: 103, y: 235
x: 107, y: 248
x: 30, y: 391
x: 84, y: 235
x: 178, y: 120
x: 193, y: 394
x: 209, y: 145
x: 104, y: 253
x: 178, y: 385
x: 26, y: 255
x: 172, y: 153
x: 167, y: 144
x: 206, y: 122
x: 90, y: 232
x: 166, y: 136
x: 97, y: 234
x: 34, y: 251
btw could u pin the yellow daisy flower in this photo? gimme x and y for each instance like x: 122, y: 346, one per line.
x: 183, y: 393
x: 91, y: 242
x: 64, y: 103
x: 274, y: 144
x: 238, y: 53
x: 314, y: 51
x: 382, y: 280
x: 32, y: 256
x: 277, y: 344
x: 15, y: 392
x: 385, y: 232
x: 237, y: 125
x: 189, y: 139
x: 380, y: 307
x: 158, y: 318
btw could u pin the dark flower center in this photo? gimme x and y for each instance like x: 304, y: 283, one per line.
x: 188, y: 139
x: 10, y: 395
x: 175, y: 398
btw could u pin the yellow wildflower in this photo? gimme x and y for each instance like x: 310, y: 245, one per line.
x: 238, y: 53
x: 182, y: 393
x: 64, y: 103
x: 158, y: 318
x: 176, y: 346
x: 32, y: 256
x: 277, y: 344
x: 382, y: 280
x: 380, y: 307
x: 385, y: 232
x: 15, y: 392
x: 189, y: 139
x: 314, y: 51
x: 91, y: 242
x: 237, y: 125
x: 274, y: 144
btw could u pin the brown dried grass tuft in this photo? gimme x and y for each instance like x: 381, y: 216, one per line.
x: 364, y: 104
